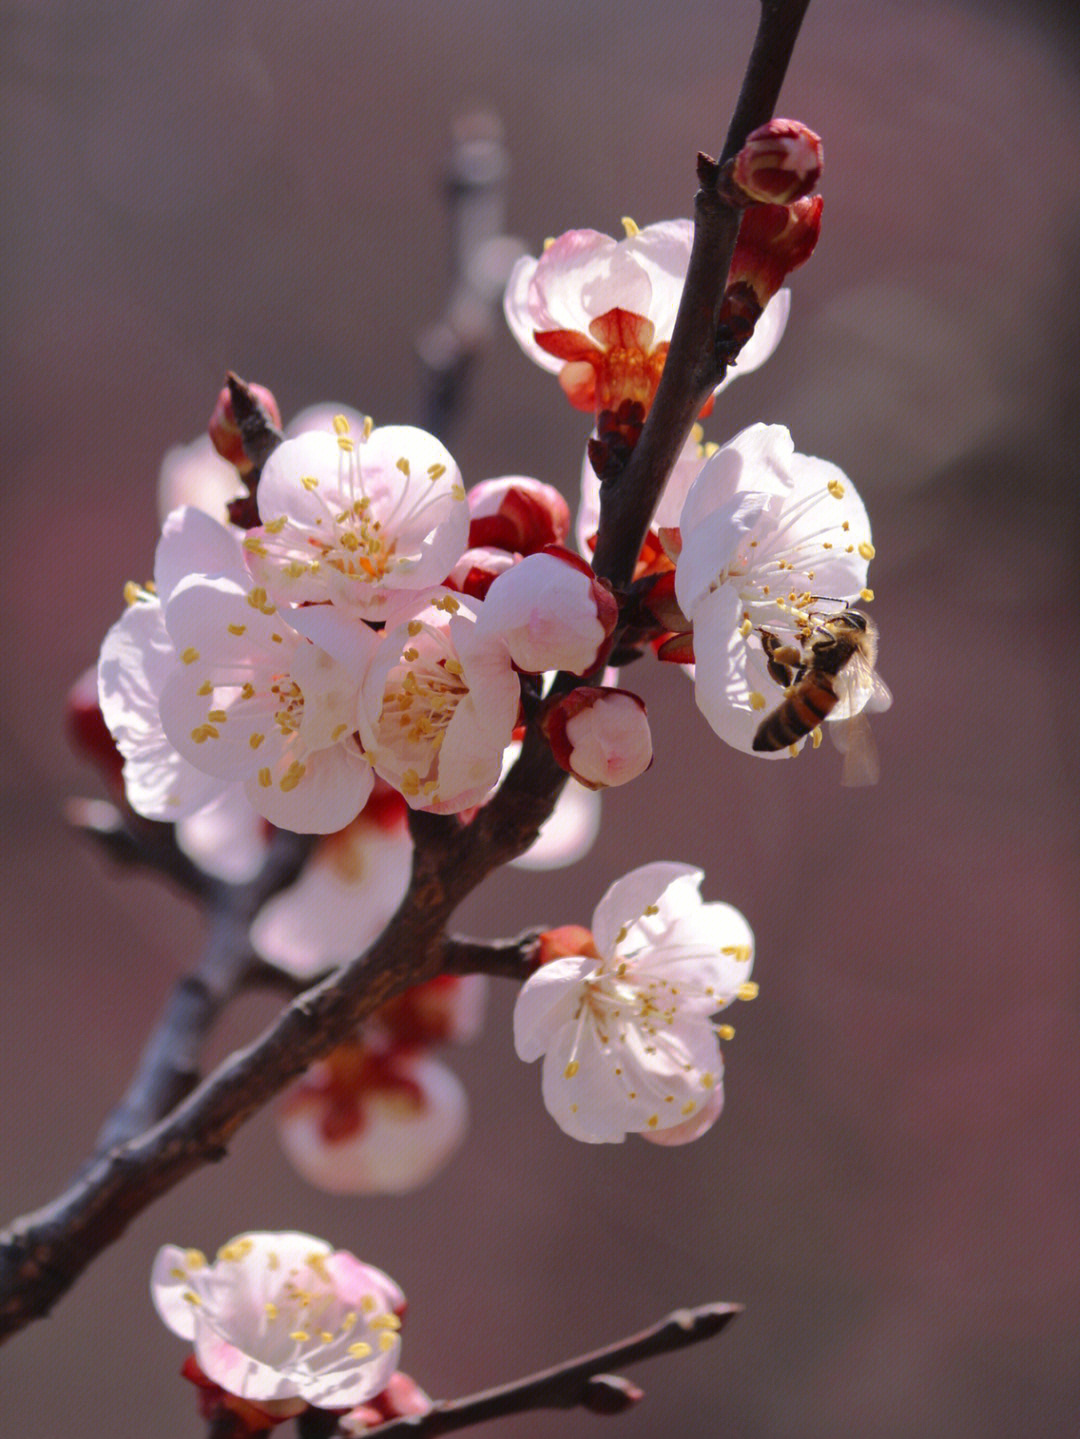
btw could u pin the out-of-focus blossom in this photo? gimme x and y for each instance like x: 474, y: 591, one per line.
x: 401, y: 1397
x: 449, y: 1008
x: 624, y: 1025
x: 779, y: 164
x: 358, y: 518
x: 345, y: 896
x: 283, y: 1316
x: 439, y: 704
x: 600, y: 736
x: 518, y: 514
x: 372, y: 1121
x: 765, y: 532
x: 196, y: 475
x: 551, y: 612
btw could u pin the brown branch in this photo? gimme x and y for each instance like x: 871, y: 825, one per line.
x: 505, y: 958
x: 169, y: 1067
x: 579, y: 1383
x: 692, y: 370
x: 43, y: 1253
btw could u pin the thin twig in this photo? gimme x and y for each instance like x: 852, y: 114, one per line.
x: 169, y: 1067
x: 570, y: 1385
x: 691, y: 370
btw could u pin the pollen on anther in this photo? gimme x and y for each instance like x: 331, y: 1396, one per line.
x: 653, y: 1120
x: 725, y: 1031
x: 360, y: 1350
x: 403, y: 466
x: 264, y: 778
x: 749, y: 990
x: 757, y: 700
x: 793, y: 751
x: 436, y: 472
x: 131, y: 592
x: 836, y: 489
x: 866, y: 596
x: 867, y: 550
x: 309, y: 482
x: 190, y: 655
x: 571, y: 1069
x: 270, y: 1309
x: 255, y: 740
x: 631, y: 227
x: 414, y: 628
x: 745, y: 628
x: 340, y: 424
x: 457, y: 492
x: 816, y: 737
x: 688, y: 1107
x: 206, y: 688
x: 301, y: 1336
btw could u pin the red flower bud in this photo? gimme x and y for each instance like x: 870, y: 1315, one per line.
x: 518, y: 514
x: 88, y: 733
x: 779, y: 164
x: 773, y: 241
x: 225, y: 431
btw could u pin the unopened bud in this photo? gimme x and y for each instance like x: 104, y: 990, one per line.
x: 600, y: 736
x: 224, y: 428
x: 773, y: 241
x: 611, y: 1394
x: 518, y: 514
x: 552, y: 613
x: 779, y: 164
x: 477, y: 569
x: 401, y: 1397
x: 564, y: 940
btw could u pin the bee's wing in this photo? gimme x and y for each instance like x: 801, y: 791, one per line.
x: 855, y: 742
x: 859, y: 687
x: 860, y: 692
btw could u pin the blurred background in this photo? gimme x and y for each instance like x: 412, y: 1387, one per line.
x: 892, y: 1191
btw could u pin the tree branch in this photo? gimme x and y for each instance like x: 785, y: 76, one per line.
x: 43, y: 1253
x: 506, y: 958
x: 691, y: 371
x: 578, y: 1383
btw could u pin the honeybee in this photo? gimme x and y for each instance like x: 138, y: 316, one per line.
x: 833, y: 676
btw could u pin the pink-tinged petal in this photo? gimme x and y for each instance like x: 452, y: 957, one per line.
x: 768, y: 332
x: 694, y: 1127
x: 306, y: 480
x: 193, y: 543
x: 346, y: 639
x: 137, y: 656
x: 225, y: 838
x: 629, y: 897
x: 346, y: 895
x: 317, y: 795
x: 400, y: 1144
x: 519, y: 314
x: 546, y: 1001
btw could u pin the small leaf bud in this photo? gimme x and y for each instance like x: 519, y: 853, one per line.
x: 224, y: 428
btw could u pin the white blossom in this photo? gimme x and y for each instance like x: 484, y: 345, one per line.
x: 625, y: 1030
x: 769, y: 537
x: 364, y: 519
x: 278, y: 1316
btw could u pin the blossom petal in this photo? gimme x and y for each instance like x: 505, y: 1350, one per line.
x: 547, y: 1000
x: 629, y: 897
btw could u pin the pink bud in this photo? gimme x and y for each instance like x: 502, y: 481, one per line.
x: 552, y: 613
x: 779, y: 164
x: 478, y: 567
x: 601, y: 736
x: 225, y: 431
x: 517, y: 514
x: 773, y: 241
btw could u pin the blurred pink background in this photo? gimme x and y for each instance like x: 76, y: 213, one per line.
x: 892, y: 1191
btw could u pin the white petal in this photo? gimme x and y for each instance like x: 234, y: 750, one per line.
x: 546, y: 1002
x: 331, y: 792
x: 225, y: 838
x: 192, y: 543
x: 630, y: 896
